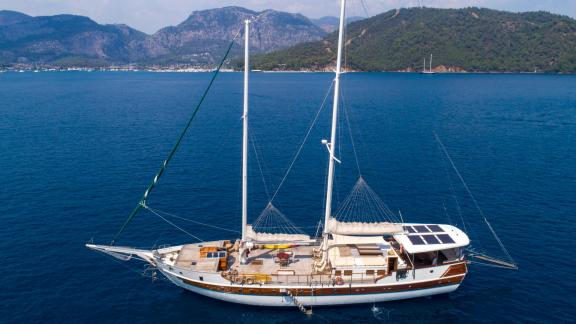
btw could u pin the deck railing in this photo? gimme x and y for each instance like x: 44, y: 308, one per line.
x: 317, y: 280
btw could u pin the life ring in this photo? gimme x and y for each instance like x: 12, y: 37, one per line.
x: 339, y: 281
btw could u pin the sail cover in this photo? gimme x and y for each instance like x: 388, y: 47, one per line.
x: 359, y: 240
x: 274, y: 237
x: 360, y: 228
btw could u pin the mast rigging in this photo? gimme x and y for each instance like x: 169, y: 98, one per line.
x: 332, y: 144
x: 142, y: 202
x: 245, y: 129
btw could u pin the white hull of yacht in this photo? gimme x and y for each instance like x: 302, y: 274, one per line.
x: 234, y: 293
x: 283, y: 301
x: 274, y: 264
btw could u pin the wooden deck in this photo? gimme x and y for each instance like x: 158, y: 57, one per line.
x: 262, y: 261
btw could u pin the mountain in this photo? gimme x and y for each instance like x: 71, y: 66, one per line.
x: 470, y: 39
x: 8, y: 17
x: 203, y: 37
x: 330, y: 23
x: 199, y: 40
x: 64, y: 39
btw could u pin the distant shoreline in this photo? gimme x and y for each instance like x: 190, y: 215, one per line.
x: 440, y: 69
x: 202, y: 70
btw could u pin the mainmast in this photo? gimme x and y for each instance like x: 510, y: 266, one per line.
x: 332, y: 145
x: 245, y: 129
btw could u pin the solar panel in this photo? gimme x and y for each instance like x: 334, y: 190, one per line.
x: 416, y: 240
x: 409, y: 229
x: 435, y: 228
x: 421, y: 229
x: 445, y: 238
x: 431, y: 239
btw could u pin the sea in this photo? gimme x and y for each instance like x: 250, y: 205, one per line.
x: 78, y: 150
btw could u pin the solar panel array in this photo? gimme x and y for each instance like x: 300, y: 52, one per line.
x: 427, y: 234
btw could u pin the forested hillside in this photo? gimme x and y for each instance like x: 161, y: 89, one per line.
x: 470, y: 39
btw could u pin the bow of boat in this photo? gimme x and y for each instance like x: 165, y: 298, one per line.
x: 124, y: 253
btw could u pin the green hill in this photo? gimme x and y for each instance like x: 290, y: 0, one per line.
x: 471, y: 39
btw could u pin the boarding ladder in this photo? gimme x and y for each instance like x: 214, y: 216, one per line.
x: 298, y: 303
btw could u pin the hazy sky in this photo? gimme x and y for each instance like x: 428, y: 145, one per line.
x: 151, y: 15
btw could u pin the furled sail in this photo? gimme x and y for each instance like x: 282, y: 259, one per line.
x: 358, y: 240
x: 274, y: 237
x: 273, y: 226
x: 361, y: 228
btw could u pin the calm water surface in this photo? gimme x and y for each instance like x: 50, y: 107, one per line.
x: 78, y: 149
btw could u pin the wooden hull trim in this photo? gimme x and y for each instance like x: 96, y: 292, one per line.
x: 326, y: 295
x: 456, y: 269
x: 315, y: 299
x: 325, y: 291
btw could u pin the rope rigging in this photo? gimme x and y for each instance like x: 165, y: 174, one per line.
x: 502, y: 247
x: 260, y: 164
x: 452, y: 192
x: 142, y: 202
x: 297, y: 154
x: 190, y: 220
x: 171, y: 223
x: 345, y: 108
x: 364, y: 205
x: 272, y: 220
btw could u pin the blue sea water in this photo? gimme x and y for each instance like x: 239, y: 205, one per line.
x: 78, y: 150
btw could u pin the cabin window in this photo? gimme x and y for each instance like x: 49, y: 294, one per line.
x: 381, y: 272
x: 449, y: 255
x: 369, y: 272
x: 222, y: 254
x: 425, y: 259
x: 201, y: 278
x: 338, y: 272
x: 347, y: 272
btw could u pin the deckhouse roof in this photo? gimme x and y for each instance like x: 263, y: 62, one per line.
x: 418, y: 238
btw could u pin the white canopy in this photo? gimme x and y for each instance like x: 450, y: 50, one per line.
x: 358, y: 228
x: 272, y: 237
x: 344, y: 251
x: 447, y: 237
